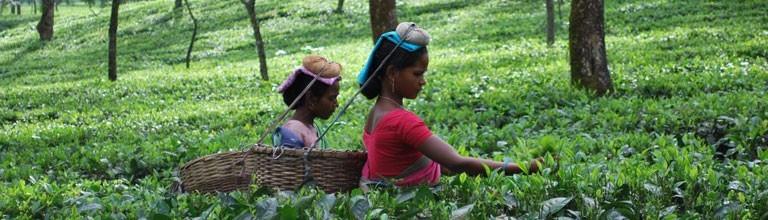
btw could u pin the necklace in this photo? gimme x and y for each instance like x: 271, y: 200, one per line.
x: 392, y: 101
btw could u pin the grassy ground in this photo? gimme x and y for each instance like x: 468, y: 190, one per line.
x: 685, y: 134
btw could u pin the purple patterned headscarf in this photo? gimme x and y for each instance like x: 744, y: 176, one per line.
x: 302, y: 70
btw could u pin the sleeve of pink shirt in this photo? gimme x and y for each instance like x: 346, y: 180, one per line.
x: 413, y: 130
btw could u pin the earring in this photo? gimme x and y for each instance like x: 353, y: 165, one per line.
x: 309, y: 103
x: 393, y: 85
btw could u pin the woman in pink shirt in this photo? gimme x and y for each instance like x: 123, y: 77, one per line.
x: 401, y: 148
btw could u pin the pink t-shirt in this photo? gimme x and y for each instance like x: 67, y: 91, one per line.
x: 308, y: 134
x: 392, y: 147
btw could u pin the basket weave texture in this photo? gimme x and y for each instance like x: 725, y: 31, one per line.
x: 331, y: 170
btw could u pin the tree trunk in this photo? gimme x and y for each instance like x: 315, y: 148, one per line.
x: 586, y: 41
x: 90, y: 7
x: 194, y: 32
x: 13, y: 9
x: 383, y: 16
x: 251, y: 8
x: 177, y: 4
x: 560, y: 9
x: 34, y: 6
x: 45, y: 26
x: 340, y: 7
x: 18, y: 8
x: 113, y: 41
x: 550, y: 22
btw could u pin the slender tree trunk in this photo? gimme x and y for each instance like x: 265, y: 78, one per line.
x: 194, y: 32
x: 178, y: 10
x: 383, y: 16
x: 340, y: 7
x: 560, y: 9
x: 92, y: 11
x: 550, y: 22
x: 18, y: 8
x: 13, y: 9
x: 251, y: 8
x: 34, y: 6
x: 586, y: 41
x: 45, y: 26
x: 113, y: 40
x: 90, y: 8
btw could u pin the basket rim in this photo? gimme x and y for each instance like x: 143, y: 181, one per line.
x: 295, y: 152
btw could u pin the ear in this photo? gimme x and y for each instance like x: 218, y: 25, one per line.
x: 390, y: 73
x: 309, y: 98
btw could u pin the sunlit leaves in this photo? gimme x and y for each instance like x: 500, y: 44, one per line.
x: 462, y: 213
x: 359, y: 206
x: 552, y: 206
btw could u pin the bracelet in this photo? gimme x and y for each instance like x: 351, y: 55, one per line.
x: 505, y: 165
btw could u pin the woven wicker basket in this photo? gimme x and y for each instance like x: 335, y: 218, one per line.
x: 280, y: 168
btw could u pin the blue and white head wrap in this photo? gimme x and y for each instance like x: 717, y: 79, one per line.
x: 407, y: 35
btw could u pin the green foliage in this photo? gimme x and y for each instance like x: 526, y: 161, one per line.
x: 684, y: 136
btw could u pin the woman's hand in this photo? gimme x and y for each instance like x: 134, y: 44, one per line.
x: 535, y: 165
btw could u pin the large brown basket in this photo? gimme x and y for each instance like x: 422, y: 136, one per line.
x: 277, y: 168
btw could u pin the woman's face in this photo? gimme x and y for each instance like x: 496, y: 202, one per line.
x: 410, y: 80
x: 326, y: 104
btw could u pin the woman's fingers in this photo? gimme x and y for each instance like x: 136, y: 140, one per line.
x: 535, y: 163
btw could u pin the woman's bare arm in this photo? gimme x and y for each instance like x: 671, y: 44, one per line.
x: 444, y: 154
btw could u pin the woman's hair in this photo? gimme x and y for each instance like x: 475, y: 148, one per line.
x: 301, y: 82
x: 399, y: 60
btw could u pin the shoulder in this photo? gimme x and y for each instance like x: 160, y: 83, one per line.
x: 292, y: 124
x: 402, y: 118
x: 404, y: 115
x: 296, y: 126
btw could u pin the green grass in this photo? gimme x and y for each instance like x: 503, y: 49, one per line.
x: 690, y: 77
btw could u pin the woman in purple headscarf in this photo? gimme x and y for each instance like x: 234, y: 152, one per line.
x: 318, y: 102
